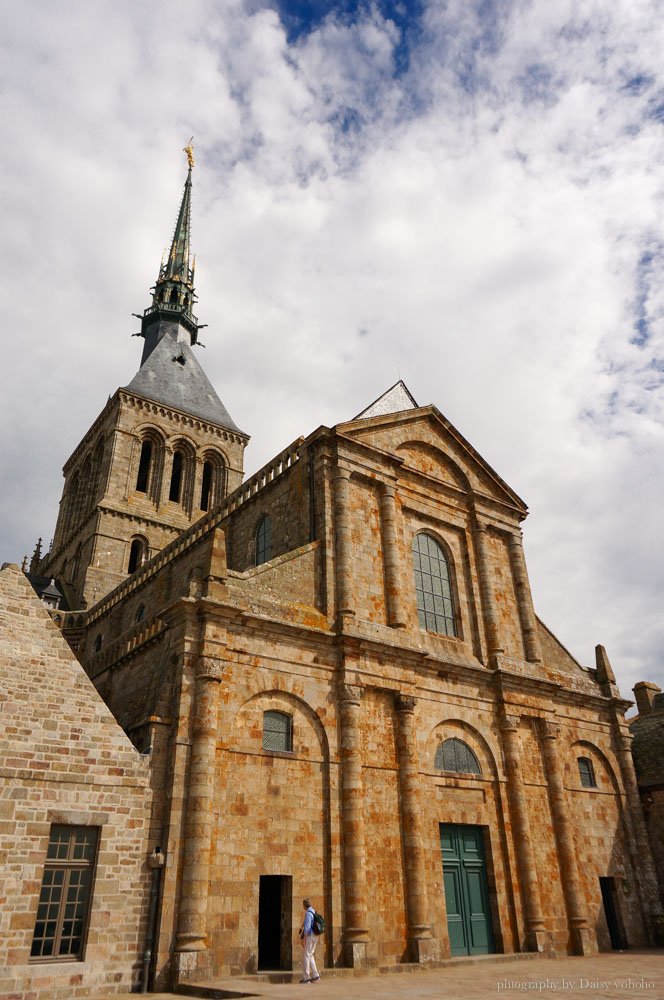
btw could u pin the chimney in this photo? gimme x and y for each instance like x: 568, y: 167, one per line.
x: 645, y: 692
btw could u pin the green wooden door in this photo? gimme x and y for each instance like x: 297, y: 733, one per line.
x: 466, y: 889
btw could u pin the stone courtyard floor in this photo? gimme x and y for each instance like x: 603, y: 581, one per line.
x: 631, y: 975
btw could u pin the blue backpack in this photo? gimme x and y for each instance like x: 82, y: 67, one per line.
x: 319, y: 923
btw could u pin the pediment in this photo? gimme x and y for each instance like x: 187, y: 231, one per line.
x: 427, y: 443
x: 422, y: 456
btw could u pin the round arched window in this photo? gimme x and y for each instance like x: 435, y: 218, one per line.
x: 435, y: 606
x: 455, y: 755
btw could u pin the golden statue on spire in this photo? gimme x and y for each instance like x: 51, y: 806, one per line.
x: 189, y: 150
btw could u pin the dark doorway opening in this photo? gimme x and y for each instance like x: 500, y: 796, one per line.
x: 275, y: 922
x: 612, y: 914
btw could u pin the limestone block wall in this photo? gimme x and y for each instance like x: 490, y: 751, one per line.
x: 654, y: 813
x: 286, y: 500
x: 64, y: 760
x: 275, y: 813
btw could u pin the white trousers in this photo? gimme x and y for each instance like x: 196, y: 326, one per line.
x: 308, y: 961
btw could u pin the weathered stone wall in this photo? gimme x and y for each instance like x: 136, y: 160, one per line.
x: 102, y: 511
x: 268, y: 637
x: 286, y: 501
x: 65, y: 760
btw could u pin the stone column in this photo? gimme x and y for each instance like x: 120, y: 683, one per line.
x: 537, y: 938
x: 356, y: 935
x: 584, y: 941
x: 191, y: 933
x: 419, y: 928
x: 396, y: 616
x: 486, y: 590
x: 524, y: 599
x: 342, y: 543
x: 647, y: 876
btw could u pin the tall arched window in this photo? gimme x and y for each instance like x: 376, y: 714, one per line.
x: 175, y: 492
x: 97, y: 462
x: 455, y: 755
x: 587, y: 772
x: 213, y: 481
x: 263, y: 540
x: 206, y: 485
x: 138, y: 553
x: 277, y: 731
x: 435, y: 606
x: 144, y: 465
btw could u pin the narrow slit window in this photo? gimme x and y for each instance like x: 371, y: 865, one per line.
x: 277, y: 731
x: 145, y: 462
x: 137, y: 554
x: 66, y: 892
x: 176, y: 478
x: 206, y: 485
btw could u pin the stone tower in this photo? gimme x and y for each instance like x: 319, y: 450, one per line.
x: 163, y: 451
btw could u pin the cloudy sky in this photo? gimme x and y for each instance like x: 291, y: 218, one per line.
x: 464, y: 194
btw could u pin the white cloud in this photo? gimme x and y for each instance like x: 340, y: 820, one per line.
x: 476, y: 225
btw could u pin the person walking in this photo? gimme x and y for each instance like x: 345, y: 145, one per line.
x: 308, y: 940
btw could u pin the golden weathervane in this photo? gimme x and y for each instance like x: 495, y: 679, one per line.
x: 189, y: 150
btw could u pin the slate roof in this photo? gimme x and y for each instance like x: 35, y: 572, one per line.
x: 394, y: 400
x: 172, y: 375
x: 46, y: 585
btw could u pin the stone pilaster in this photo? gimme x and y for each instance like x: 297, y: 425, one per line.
x: 537, y: 938
x: 584, y: 941
x: 355, y: 934
x: 391, y: 532
x: 342, y: 544
x: 419, y: 928
x: 486, y: 590
x: 192, y: 923
x: 524, y: 599
x: 647, y: 874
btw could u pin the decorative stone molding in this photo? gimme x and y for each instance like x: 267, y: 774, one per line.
x: 404, y: 702
x: 351, y: 693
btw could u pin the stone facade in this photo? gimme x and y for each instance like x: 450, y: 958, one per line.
x: 65, y: 761
x: 648, y: 748
x: 102, y: 511
x: 337, y: 675
x: 327, y: 633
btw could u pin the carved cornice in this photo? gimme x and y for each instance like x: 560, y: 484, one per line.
x: 137, y: 402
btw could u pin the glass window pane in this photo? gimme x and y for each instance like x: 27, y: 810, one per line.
x: 456, y: 756
x: 432, y: 582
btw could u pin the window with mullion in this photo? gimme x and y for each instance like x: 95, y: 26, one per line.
x: 64, y: 898
x: 455, y: 755
x: 433, y: 590
x: 587, y: 772
x: 277, y: 731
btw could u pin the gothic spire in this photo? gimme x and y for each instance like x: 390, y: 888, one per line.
x: 173, y: 295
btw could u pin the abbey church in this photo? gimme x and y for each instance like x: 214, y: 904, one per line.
x: 328, y: 680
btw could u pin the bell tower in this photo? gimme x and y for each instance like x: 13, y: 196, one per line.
x: 163, y: 451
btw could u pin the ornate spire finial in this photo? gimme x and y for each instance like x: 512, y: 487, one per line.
x: 173, y: 295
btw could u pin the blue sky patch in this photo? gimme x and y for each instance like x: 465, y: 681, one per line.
x: 301, y: 17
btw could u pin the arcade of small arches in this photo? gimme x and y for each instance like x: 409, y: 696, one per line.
x: 175, y: 472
